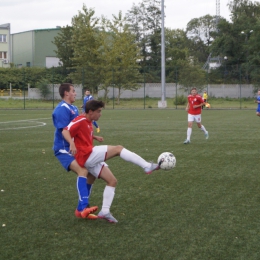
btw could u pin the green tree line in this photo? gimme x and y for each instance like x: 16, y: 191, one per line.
x: 126, y: 50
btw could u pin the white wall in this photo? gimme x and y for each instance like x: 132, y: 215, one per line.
x: 52, y: 62
x: 153, y: 90
x: 34, y: 93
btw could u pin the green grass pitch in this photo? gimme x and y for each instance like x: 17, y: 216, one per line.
x: 208, y: 207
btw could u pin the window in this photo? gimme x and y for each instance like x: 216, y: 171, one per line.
x: 28, y: 64
x: 3, y: 54
x: 3, y: 37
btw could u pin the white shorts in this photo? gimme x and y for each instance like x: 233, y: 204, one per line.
x: 95, y: 161
x: 196, y: 118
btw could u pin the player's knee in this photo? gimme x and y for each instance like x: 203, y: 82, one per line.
x: 112, y: 182
x: 119, y: 148
x: 82, y: 172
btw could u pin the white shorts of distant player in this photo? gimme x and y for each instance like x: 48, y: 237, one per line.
x: 95, y: 161
x: 194, y: 118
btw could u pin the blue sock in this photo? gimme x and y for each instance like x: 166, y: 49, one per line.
x: 79, y: 207
x: 82, y: 192
x: 89, y: 188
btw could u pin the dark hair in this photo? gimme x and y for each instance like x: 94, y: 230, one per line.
x: 193, y: 89
x: 64, y: 87
x: 94, y: 105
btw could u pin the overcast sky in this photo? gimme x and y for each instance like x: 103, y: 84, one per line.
x: 26, y: 15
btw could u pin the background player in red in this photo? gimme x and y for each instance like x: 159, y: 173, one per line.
x: 194, y: 106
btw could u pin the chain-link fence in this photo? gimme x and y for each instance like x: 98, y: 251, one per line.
x: 228, y: 87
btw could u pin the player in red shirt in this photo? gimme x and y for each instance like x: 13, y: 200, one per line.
x: 93, y: 157
x: 194, y: 106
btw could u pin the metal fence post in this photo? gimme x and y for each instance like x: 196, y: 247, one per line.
x: 176, y: 75
x: 144, y: 86
x: 24, y: 90
x: 113, y: 88
x: 240, y: 86
x: 52, y: 88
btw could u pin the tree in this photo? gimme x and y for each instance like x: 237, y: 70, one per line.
x: 145, y: 22
x: 238, y: 39
x: 85, y: 42
x: 192, y: 76
x: 118, y: 54
x: 200, y: 31
x: 64, y: 49
x: 176, y: 52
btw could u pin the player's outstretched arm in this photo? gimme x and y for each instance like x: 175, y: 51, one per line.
x: 98, y: 138
x: 67, y: 136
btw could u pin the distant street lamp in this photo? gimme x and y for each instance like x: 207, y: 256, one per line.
x: 225, y: 72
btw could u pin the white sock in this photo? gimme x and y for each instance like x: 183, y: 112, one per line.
x: 108, y: 196
x: 189, y: 131
x: 203, y: 129
x: 134, y: 158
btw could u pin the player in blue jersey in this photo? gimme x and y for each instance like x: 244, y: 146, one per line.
x: 62, y: 115
x: 94, y: 157
x: 258, y: 103
x: 88, y: 97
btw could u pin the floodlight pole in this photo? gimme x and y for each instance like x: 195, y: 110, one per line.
x: 162, y: 53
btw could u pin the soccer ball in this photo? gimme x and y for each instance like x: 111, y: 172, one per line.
x: 166, y: 161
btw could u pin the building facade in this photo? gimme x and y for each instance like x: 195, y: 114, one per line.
x: 5, y: 45
x: 34, y: 48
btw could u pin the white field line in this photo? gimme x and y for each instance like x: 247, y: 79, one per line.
x: 24, y: 127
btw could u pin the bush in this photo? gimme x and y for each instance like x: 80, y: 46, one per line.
x: 180, y: 100
x: 42, y: 85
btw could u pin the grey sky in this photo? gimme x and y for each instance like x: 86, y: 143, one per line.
x: 25, y: 15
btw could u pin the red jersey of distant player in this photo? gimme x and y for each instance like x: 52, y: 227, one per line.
x: 195, y: 100
x: 81, y: 130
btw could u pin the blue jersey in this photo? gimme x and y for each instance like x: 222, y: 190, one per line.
x: 86, y: 99
x: 258, y: 104
x: 258, y: 99
x: 62, y: 115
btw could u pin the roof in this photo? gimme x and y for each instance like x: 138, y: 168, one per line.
x: 5, y: 26
x: 37, y: 30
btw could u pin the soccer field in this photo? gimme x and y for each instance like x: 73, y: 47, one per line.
x: 208, y: 207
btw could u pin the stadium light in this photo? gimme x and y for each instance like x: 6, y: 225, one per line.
x: 163, y: 102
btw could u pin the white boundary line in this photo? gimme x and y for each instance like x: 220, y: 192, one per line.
x: 24, y: 127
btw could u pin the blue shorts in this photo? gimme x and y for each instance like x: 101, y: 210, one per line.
x: 258, y: 110
x: 64, y: 158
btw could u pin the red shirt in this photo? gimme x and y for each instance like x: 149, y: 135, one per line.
x: 194, y: 100
x: 81, y: 130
